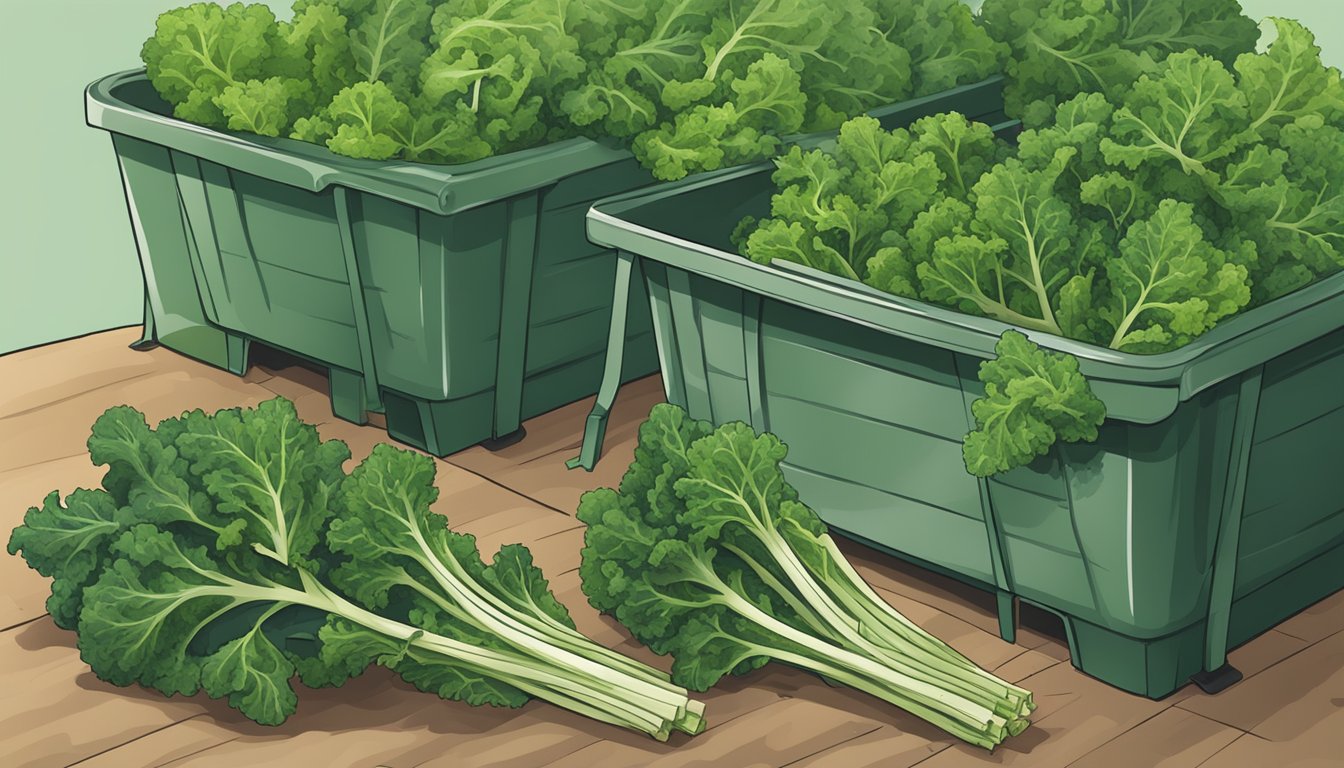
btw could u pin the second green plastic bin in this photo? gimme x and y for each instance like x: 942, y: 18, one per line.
x: 1209, y: 509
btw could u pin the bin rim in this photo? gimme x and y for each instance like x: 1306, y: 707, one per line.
x: 441, y: 189
x: 1151, y: 385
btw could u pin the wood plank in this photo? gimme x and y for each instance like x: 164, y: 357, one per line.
x: 175, y: 742
x: 412, y: 730
x: 1024, y: 665
x: 535, y: 467
x: 1318, y: 621
x: 64, y: 713
x: 1320, y: 700
x: 1173, y: 738
x: 60, y: 427
x: 1319, y: 745
x: 25, y: 591
x: 886, y: 747
x: 774, y: 735
x: 1075, y: 715
x: 1274, y: 676
x: 37, y: 377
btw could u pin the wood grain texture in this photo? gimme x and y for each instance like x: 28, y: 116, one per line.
x: 56, y: 713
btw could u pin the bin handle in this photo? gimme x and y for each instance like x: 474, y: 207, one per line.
x: 595, y: 428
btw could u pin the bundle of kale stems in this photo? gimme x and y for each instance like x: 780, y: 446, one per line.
x: 217, y: 538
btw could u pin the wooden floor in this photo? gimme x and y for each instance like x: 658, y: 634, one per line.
x: 1288, y: 712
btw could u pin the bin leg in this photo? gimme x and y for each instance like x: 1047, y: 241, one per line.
x: 1007, y: 605
x: 148, y: 339
x: 237, y: 349
x: 438, y: 427
x: 1147, y: 667
x: 348, y: 400
x: 595, y: 429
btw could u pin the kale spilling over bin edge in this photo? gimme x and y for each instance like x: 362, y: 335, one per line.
x: 1134, y: 219
x: 207, y: 518
x: 689, y: 85
x: 706, y: 553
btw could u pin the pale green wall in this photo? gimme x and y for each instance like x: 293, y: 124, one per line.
x: 67, y: 260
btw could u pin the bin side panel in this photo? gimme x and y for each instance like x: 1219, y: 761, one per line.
x: 162, y: 239
x: 874, y: 426
x: 1295, y: 490
x: 838, y: 402
x: 1130, y: 523
x: 571, y: 296
x: 1043, y: 554
x: 271, y: 257
x: 432, y: 287
x: 901, y: 524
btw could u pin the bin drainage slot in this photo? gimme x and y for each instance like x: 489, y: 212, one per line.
x: 1043, y: 622
x: 276, y: 360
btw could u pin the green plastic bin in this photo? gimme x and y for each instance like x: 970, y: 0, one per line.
x: 460, y: 300
x: 1210, y: 508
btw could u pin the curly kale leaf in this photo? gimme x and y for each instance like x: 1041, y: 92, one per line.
x: 1288, y: 81
x: 839, y: 211
x: 768, y: 100
x: 1189, y: 111
x: 1033, y: 399
x: 69, y: 544
x: 947, y: 46
x: 1170, y: 285
x: 265, y: 107
x: 200, y: 50
x: 1061, y: 48
x: 1018, y: 252
x: 1289, y: 203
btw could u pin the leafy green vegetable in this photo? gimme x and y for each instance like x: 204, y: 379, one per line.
x: 1289, y: 81
x: 705, y: 552
x: 689, y: 85
x: 1191, y: 113
x: 213, y: 532
x: 1061, y: 48
x: 1135, y: 223
x: 681, y: 75
x: 1018, y: 250
x: 837, y: 211
x: 199, y: 51
x: 1033, y: 399
x: 1134, y: 219
x: 1170, y: 285
x: 947, y: 46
